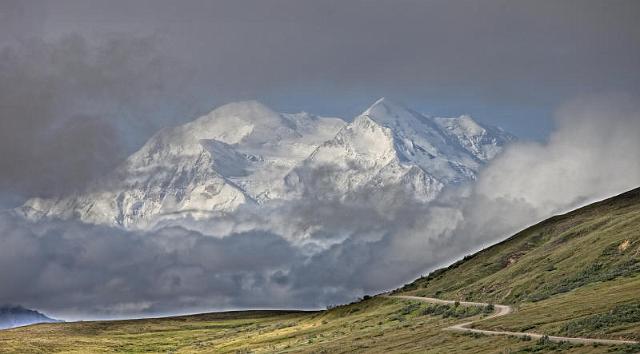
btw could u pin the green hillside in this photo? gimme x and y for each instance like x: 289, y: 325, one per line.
x: 376, y: 325
x: 575, y: 275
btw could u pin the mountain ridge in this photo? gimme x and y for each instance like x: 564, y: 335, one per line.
x: 245, y: 153
x: 12, y: 316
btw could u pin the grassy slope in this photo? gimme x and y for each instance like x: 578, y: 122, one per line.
x: 560, y: 274
x: 374, y: 326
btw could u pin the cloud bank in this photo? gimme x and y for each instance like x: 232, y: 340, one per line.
x: 72, y: 108
x: 314, y: 252
x: 508, y: 62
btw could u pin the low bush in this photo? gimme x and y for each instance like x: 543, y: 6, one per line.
x: 595, y: 272
x: 487, y: 310
x: 449, y: 311
x: 599, y: 323
x: 544, y: 345
x: 410, y: 308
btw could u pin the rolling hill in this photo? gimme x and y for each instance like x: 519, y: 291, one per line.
x: 576, y: 274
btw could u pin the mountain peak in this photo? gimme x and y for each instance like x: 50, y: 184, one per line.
x: 233, y: 122
x: 247, y: 105
x: 248, y: 111
x: 395, y: 116
x: 378, y: 102
x: 245, y: 152
x: 385, y: 107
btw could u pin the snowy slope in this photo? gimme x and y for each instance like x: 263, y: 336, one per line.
x: 238, y: 153
x: 246, y: 153
x: 391, y: 145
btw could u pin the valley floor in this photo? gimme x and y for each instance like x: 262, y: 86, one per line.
x: 374, y: 326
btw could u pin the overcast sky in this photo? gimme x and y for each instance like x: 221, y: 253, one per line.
x: 509, y: 63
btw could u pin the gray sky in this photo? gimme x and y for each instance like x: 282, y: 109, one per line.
x: 107, y: 75
x: 508, y: 63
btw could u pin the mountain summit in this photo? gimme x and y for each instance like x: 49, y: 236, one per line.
x: 390, y: 145
x: 244, y: 152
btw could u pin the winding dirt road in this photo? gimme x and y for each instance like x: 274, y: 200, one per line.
x: 502, y: 310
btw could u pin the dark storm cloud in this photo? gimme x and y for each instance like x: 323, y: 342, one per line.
x: 262, y: 43
x: 79, y: 269
x: 521, y: 58
x: 71, y: 109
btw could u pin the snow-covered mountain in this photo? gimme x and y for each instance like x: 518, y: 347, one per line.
x: 246, y: 153
x: 389, y: 145
x: 238, y: 153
